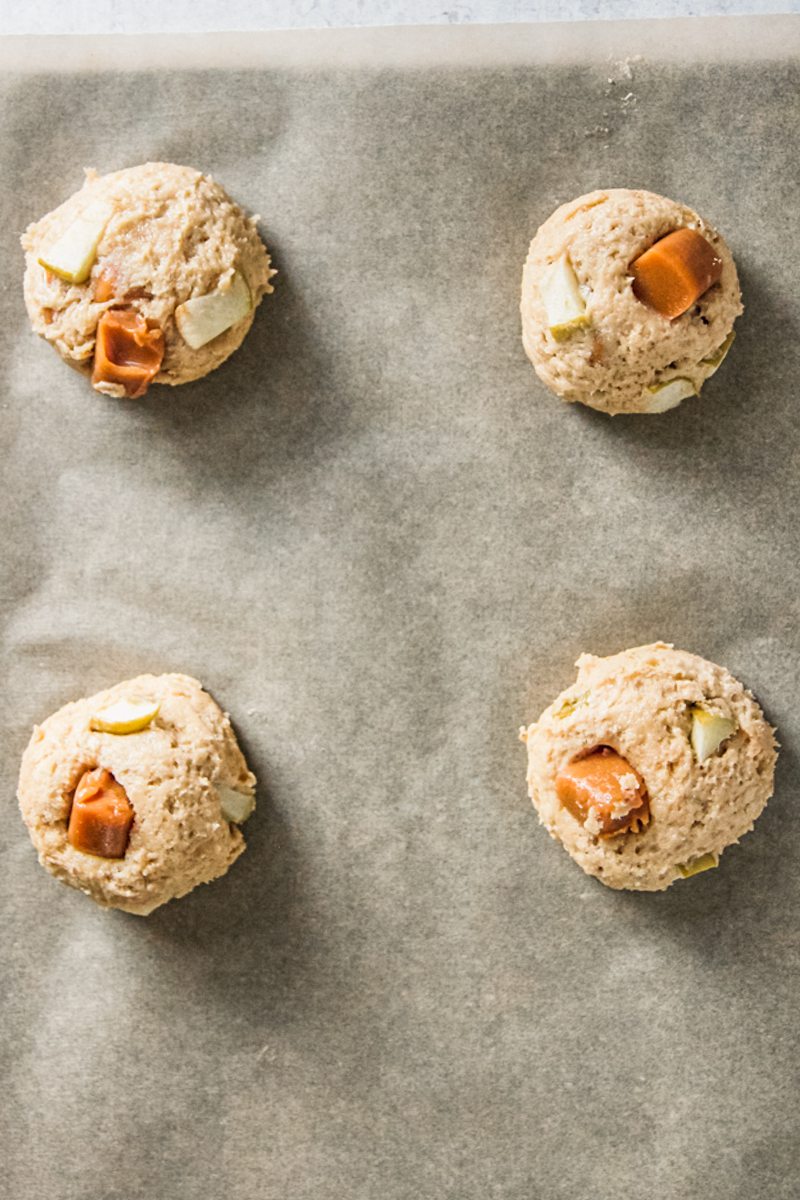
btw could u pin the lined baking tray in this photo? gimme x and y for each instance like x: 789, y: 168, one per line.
x: 381, y: 544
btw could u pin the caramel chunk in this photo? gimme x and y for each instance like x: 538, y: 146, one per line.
x: 602, y: 785
x: 127, y: 351
x: 101, y: 816
x: 674, y: 273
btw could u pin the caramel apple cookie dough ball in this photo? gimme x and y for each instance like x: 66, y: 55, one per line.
x: 650, y: 765
x: 136, y: 795
x: 628, y: 301
x: 151, y: 274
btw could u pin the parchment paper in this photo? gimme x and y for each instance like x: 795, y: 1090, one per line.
x: 381, y: 545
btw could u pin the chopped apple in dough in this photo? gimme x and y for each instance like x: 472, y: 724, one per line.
x: 236, y: 806
x: 203, y: 318
x: 124, y: 716
x: 705, y: 862
x: 709, y: 731
x: 73, y: 255
x: 562, y: 299
x: 716, y: 360
x: 663, y: 396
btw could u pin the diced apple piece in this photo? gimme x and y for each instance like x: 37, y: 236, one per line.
x: 203, y: 318
x: 709, y: 731
x: 73, y: 255
x: 715, y: 361
x: 705, y: 862
x: 236, y: 806
x: 125, y: 716
x: 564, y: 305
x: 663, y: 396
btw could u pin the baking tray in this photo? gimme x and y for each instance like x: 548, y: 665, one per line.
x: 381, y: 545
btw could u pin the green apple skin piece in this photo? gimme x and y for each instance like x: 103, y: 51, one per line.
x: 563, y: 303
x: 663, y: 396
x: 708, y: 732
x: 716, y: 360
x: 72, y: 256
x: 569, y: 706
x: 236, y: 806
x: 203, y: 318
x: 705, y: 862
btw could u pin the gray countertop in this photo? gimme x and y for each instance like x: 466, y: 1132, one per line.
x: 105, y: 16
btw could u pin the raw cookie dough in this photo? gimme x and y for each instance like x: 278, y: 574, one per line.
x: 171, y: 235
x: 177, y: 773
x: 641, y: 704
x: 619, y: 354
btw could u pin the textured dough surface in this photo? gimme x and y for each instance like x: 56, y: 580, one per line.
x: 174, y: 234
x: 638, y: 703
x: 170, y: 771
x: 628, y: 346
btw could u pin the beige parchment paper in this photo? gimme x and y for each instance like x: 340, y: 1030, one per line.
x: 381, y: 545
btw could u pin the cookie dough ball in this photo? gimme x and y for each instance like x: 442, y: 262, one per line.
x: 650, y: 765
x: 628, y: 301
x: 147, y: 274
x: 135, y: 795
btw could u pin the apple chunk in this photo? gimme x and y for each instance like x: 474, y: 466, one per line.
x: 125, y: 716
x: 203, y: 318
x: 708, y: 732
x: 72, y: 256
x: 663, y: 396
x: 715, y: 361
x: 236, y: 806
x: 705, y: 862
x: 563, y: 303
